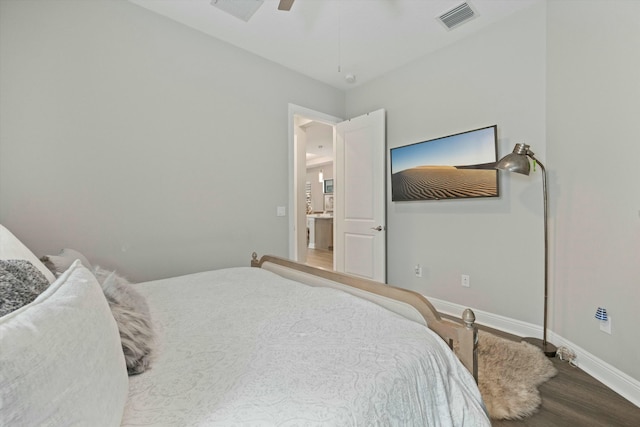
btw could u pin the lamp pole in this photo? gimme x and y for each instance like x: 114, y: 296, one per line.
x: 518, y: 162
x: 548, y: 348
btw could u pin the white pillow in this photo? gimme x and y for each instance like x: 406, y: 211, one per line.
x: 61, y: 361
x: 12, y: 248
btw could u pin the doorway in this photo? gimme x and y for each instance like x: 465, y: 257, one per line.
x: 315, y: 140
x: 298, y: 172
x: 358, y: 232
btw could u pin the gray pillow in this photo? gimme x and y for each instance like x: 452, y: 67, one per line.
x: 20, y: 283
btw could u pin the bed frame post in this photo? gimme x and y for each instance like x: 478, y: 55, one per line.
x: 468, y: 342
x: 255, y: 262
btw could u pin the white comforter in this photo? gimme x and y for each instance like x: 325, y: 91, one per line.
x: 245, y: 347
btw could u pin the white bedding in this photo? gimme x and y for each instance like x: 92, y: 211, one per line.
x: 245, y: 347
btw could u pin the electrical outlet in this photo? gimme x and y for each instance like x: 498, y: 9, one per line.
x: 465, y: 280
x: 605, y: 325
x: 418, y: 270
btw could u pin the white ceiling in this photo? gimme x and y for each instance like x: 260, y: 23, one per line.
x: 329, y: 39
x: 319, y: 145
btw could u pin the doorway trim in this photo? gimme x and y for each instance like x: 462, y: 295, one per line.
x: 297, y: 110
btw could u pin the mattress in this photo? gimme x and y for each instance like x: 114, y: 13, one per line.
x: 246, y: 347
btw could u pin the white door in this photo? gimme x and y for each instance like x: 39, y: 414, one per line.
x: 360, y: 197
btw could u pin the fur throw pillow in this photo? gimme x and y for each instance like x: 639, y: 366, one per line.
x: 128, y: 307
x: 60, y: 263
x: 20, y: 283
x: 131, y: 313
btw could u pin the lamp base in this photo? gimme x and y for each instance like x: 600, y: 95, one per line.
x: 548, y: 348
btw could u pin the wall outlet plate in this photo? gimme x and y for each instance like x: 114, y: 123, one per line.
x: 418, y: 270
x: 465, y: 280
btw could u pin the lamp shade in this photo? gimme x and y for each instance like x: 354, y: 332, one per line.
x: 517, y: 161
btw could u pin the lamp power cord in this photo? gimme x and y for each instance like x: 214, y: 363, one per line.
x: 568, y: 355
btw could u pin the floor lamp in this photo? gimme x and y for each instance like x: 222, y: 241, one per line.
x: 518, y: 161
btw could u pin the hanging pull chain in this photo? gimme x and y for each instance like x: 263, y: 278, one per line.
x: 339, y: 40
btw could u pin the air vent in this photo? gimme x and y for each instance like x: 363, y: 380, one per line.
x: 457, y: 16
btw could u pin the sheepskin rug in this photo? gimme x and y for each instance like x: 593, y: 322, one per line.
x: 509, y: 374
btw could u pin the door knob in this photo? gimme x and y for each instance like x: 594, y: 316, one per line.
x: 378, y: 228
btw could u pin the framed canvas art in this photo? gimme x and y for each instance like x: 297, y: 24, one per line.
x: 452, y: 167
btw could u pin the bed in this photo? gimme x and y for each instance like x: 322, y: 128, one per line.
x: 276, y: 343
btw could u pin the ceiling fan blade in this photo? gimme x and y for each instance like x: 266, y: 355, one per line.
x: 285, y: 5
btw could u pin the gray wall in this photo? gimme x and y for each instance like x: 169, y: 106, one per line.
x: 477, y: 82
x: 593, y: 139
x: 146, y: 145
x: 563, y: 79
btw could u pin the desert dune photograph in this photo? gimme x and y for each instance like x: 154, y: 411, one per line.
x: 443, y: 182
x: 455, y: 166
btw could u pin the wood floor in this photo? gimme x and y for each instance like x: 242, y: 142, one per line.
x: 575, y: 399
x: 570, y: 399
x: 320, y: 258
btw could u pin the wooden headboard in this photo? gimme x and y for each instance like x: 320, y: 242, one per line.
x: 462, y: 338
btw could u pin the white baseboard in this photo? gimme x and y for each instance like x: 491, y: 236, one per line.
x: 618, y: 381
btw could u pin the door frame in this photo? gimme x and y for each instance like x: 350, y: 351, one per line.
x: 294, y: 211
